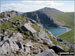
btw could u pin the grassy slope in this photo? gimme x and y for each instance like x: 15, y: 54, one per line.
x: 56, y: 43
x: 68, y: 18
x: 37, y: 28
x: 8, y: 25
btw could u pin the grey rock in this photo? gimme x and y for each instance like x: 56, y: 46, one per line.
x: 43, y: 37
x: 14, y: 47
x: 28, y: 27
x: 1, y: 37
x: 47, y: 53
x: 14, y: 44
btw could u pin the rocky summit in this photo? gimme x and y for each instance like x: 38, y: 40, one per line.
x: 23, y: 37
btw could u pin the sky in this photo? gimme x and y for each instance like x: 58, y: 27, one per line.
x: 28, y: 6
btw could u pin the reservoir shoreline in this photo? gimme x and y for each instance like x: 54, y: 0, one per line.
x: 67, y: 30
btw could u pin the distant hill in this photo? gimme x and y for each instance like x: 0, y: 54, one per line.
x: 44, y: 16
x: 50, y: 16
x: 40, y: 18
x: 50, y: 11
x: 68, y: 18
x: 54, y: 17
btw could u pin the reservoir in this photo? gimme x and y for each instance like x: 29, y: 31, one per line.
x: 56, y: 30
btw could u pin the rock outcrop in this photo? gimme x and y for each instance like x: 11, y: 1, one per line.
x: 18, y: 37
x: 16, y: 45
x: 28, y: 27
x: 47, y: 53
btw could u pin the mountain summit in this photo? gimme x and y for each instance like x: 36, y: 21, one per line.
x: 42, y: 15
x: 50, y: 11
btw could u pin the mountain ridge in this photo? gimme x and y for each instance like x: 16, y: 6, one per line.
x: 28, y: 36
x: 58, y: 18
x: 21, y: 36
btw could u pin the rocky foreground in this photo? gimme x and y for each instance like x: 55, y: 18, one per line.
x: 23, y: 37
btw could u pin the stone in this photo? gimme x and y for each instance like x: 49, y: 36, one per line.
x: 43, y: 37
x: 29, y: 44
x: 47, y: 53
x: 13, y: 43
x: 28, y: 27
x: 35, y: 50
x: 57, y: 49
x: 19, y: 44
x: 27, y: 49
x: 59, y: 40
x: 19, y: 35
x: 1, y: 37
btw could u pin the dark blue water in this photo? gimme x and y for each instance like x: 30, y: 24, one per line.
x: 56, y: 30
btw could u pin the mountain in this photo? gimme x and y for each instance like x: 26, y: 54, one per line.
x: 24, y: 34
x: 53, y: 17
x: 43, y: 16
x: 24, y: 37
x: 50, y: 11
x: 68, y: 19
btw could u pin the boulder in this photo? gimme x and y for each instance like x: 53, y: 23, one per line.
x: 60, y: 40
x: 19, y: 35
x: 28, y: 27
x: 43, y: 37
x: 1, y: 37
x: 57, y: 49
x: 47, y: 53
x: 29, y: 44
x: 35, y: 50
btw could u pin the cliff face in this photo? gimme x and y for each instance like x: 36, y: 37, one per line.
x: 40, y: 18
x: 23, y: 37
x: 17, y: 45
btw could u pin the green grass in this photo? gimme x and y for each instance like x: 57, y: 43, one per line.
x: 56, y: 43
x: 69, y: 36
x: 5, y: 26
x: 28, y: 33
x: 20, y: 19
x: 68, y: 19
x: 52, y: 39
x: 37, y: 28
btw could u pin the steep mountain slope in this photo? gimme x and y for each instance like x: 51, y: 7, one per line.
x: 68, y: 19
x: 53, y: 17
x: 43, y: 16
x: 23, y: 37
x: 50, y: 11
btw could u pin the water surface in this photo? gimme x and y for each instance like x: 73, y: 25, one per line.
x: 56, y: 30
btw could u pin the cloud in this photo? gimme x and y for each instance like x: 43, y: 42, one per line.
x: 67, y: 8
x: 44, y: 3
x: 19, y: 7
x: 56, y: 4
x: 27, y: 6
x: 12, y: 6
